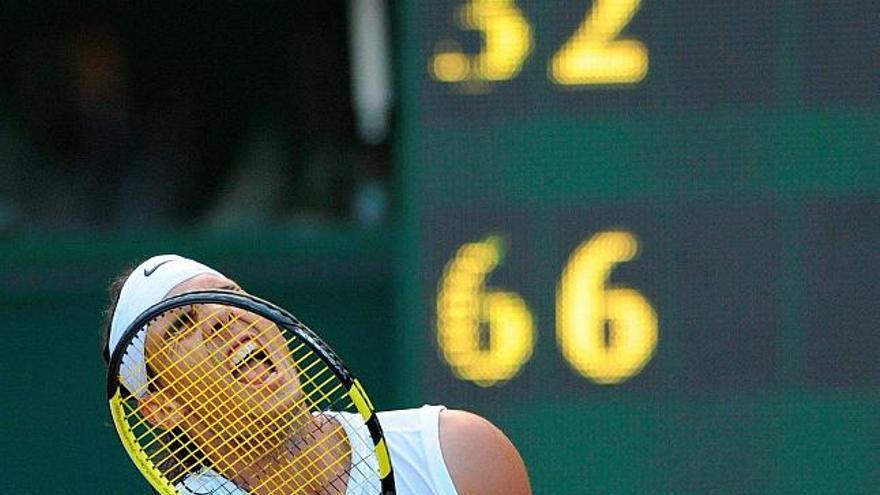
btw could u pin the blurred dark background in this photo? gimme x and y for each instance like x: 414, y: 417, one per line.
x: 215, y: 114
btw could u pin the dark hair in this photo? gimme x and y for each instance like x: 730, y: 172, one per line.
x: 114, y: 290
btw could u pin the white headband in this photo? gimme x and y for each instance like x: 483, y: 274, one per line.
x: 147, y: 285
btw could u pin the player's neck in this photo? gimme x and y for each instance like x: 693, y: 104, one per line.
x: 313, y: 461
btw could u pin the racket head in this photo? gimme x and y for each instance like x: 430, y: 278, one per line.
x: 224, y: 391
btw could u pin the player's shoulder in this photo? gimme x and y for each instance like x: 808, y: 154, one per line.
x: 479, y: 456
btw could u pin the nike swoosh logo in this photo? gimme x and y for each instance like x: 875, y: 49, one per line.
x: 149, y: 271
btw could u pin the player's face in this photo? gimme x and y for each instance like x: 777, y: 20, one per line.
x: 227, y: 371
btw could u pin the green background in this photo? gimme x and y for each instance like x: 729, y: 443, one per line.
x: 748, y: 165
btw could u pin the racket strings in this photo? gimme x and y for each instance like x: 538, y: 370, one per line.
x: 315, y: 444
x: 239, y: 408
x: 237, y: 403
x: 207, y: 393
x: 297, y: 461
x: 282, y: 430
x: 360, y: 433
x: 198, y: 437
x: 193, y: 325
x: 260, y: 446
x: 201, y: 375
x: 141, y: 337
x: 355, y: 465
x: 142, y: 418
x: 313, y: 461
x: 320, y: 477
x: 228, y: 412
x: 181, y: 438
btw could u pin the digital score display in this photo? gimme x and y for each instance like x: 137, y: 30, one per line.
x: 652, y: 226
x: 567, y: 301
x: 593, y: 54
x: 607, y: 334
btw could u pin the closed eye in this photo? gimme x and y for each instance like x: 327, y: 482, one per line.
x: 184, y: 321
x: 218, y: 326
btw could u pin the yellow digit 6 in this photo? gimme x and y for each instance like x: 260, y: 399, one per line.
x: 593, y: 55
x: 464, y: 304
x: 507, y: 42
x: 584, y: 305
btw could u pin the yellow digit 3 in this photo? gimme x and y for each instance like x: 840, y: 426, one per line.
x: 594, y: 55
x: 464, y: 304
x: 507, y: 42
x: 606, y: 334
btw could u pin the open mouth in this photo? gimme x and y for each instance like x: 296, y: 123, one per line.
x: 252, y: 364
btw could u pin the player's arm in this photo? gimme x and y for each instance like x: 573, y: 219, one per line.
x: 480, y: 458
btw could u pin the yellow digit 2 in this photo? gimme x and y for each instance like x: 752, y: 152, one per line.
x: 594, y: 55
x: 464, y: 305
x: 606, y: 334
x: 507, y: 42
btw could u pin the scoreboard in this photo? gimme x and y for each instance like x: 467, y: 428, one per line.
x: 644, y: 237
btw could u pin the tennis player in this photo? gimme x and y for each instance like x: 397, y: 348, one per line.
x: 434, y: 450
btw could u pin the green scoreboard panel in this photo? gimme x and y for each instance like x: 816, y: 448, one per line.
x: 644, y: 237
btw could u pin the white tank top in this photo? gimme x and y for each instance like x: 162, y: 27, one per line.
x: 413, y: 440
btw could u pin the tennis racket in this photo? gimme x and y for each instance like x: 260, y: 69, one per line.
x: 225, y: 393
